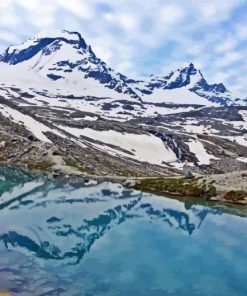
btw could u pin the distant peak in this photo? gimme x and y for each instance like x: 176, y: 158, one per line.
x: 189, y: 69
x: 189, y: 66
x: 70, y: 35
x: 16, y: 54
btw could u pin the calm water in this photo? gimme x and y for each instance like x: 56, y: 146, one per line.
x: 65, y: 238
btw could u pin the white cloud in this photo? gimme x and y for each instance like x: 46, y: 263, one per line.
x: 28, y: 4
x: 125, y: 66
x: 44, y: 21
x: 128, y: 22
x: 226, y: 45
x: 5, y: 3
x: 8, y: 19
x: 8, y: 15
x: 7, y: 36
x: 102, y: 53
x: 80, y: 8
x: 216, y: 11
x: 172, y: 14
x: 229, y: 58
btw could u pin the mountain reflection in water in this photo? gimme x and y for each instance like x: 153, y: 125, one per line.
x: 67, y: 238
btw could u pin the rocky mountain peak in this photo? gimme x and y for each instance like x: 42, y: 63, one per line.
x: 64, y: 56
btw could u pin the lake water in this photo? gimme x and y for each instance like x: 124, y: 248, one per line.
x: 67, y: 238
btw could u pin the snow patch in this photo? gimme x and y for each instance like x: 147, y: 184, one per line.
x: 242, y: 159
x: 201, y: 154
x: 37, y: 128
x: 142, y: 147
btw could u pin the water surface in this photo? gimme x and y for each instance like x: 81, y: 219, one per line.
x: 67, y: 238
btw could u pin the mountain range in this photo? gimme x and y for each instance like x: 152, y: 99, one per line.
x: 63, y: 109
x: 68, y: 66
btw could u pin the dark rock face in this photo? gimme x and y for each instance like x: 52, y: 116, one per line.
x: 215, y: 93
x: 183, y: 79
x: 16, y: 57
x: 180, y: 149
x: 54, y: 77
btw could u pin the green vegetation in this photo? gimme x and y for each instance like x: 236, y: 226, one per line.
x: 177, y: 186
x: 42, y: 165
x: 69, y: 161
x: 235, y: 195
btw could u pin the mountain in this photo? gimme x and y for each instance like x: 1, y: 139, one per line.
x: 64, y: 64
x: 65, y: 59
x: 62, y: 109
x: 185, y: 85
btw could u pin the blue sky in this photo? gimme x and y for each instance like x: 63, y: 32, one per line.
x: 142, y: 37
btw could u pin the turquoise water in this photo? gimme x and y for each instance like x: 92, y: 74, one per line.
x: 66, y: 238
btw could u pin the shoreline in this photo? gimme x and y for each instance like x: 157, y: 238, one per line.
x: 219, y: 184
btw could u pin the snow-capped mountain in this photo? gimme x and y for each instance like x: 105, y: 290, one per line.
x: 185, y: 85
x: 62, y: 63
x: 63, y: 60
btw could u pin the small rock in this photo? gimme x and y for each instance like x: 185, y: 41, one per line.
x: 129, y: 183
x: 90, y: 182
x: 57, y: 152
x: 215, y: 198
x: 44, y: 153
x: 12, y: 156
x: 2, y: 144
x: 31, y: 137
x: 56, y: 173
x: 14, y: 140
x: 188, y: 174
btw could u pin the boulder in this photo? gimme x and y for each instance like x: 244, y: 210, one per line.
x: 31, y: 137
x: 2, y: 144
x: 188, y: 174
x: 129, y: 183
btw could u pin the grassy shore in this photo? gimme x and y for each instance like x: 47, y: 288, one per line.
x: 200, y: 187
x: 195, y: 187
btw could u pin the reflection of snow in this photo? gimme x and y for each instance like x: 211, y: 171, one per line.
x: 58, y: 220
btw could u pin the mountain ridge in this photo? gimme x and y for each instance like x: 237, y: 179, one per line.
x: 65, y: 56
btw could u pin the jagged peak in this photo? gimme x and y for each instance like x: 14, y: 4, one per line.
x: 189, y: 68
x: 189, y: 65
x: 69, y: 36
x: 26, y: 50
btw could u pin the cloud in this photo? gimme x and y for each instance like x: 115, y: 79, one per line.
x: 28, y: 4
x: 78, y: 7
x: 229, y: 58
x: 139, y: 37
x: 8, y: 37
x: 216, y: 11
x: 172, y: 14
x: 5, y: 3
x: 8, y: 15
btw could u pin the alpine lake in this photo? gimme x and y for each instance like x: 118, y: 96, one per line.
x: 69, y: 237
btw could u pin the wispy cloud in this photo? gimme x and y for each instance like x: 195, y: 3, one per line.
x: 139, y: 37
